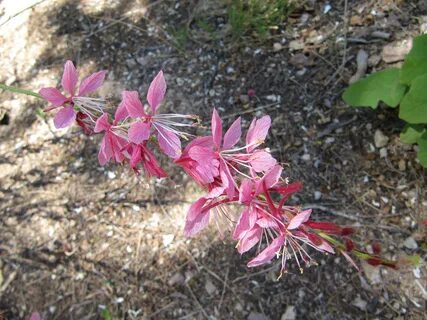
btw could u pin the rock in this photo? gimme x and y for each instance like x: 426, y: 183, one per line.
x: 362, y: 66
x: 317, y: 195
x: 177, y: 278
x: 272, y: 97
x: 131, y: 63
x: 277, y: 47
x: 374, y: 60
x: 238, y: 307
x: 299, y: 60
x: 356, y: 20
x: 257, y: 316
x: 380, y: 139
x: 383, y: 153
x: 210, y: 287
x: 168, y: 239
x: 396, y: 51
x: 306, y: 157
x: 290, y: 313
x: 301, y: 72
x: 296, y: 45
x: 402, y: 165
x: 410, y: 243
x: 372, y: 273
x: 327, y: 8
x: 380, y: 35
x: 230, y: 70
x: 360, y: 303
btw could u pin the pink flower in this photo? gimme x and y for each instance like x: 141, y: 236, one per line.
x: 139, y: 130
x: 192, y: 166
x: 268, y: 253
x: 67, y: 114
x: 142, y: 154
x: 112, y: 145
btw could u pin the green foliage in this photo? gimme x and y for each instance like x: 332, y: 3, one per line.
x: 106, y: 315
x: 422, y: 152
x: 381, y: 86
x: 411, y: 133
x: 180, y: 36
x: 391, y: 87
x: 256, y: 16
x: 415, y: 62
x: 413, y: 108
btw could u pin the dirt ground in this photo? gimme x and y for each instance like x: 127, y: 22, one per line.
x: 76, y: 238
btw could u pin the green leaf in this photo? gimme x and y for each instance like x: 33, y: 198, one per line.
x: 422, y: 151
x: 411, y: 133
x: 106, y: 315
x: 413, y: 108
x: 415, y: 63
x: 381, y: 86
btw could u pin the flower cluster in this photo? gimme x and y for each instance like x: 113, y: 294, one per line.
x: 233, y: 173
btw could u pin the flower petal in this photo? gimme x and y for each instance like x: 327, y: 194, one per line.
x: 92, y: 82
x: 270, y: 179
x: 105, y: 151
x: 262, y: 161
x: 196, y: 219
x: 268, y: 253
x: 233, y: 134
x: 227, y: 180
x: 69, y: 77
x: 246, y: 222
x: 121, y: 113
x: 215, y: 192
x: 200, y: 141
x: 102, y: 123
x: 349, y: 259
x: 132, y: 103
x: 216, y: 129
x: 250, y: 238
x: 169, y: 142
x: 156, y: 91
x: 299, y: 219
x: 139, y: 131
x: 257, y: 132
x: 245, y: 191
x: 151, y: 165
x: 64, y: 117
x: 53, y: 95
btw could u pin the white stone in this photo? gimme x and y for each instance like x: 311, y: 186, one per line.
x: 306, y: 157
x: 360, y: 303
x: 410, y: 243
x: 290, y: 313
x: 380, y: 139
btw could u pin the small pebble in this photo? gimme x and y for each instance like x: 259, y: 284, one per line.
x: 380, y: 139
x: 410, y: 243
x: 277, y: 46
x: 306, y: 157
x: 360, y: 303
x: 290, y: 313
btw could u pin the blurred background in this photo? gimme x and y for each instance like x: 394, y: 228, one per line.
x: 79, y: 241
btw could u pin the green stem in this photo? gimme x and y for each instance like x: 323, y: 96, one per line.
x: 19, y: 90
